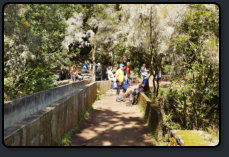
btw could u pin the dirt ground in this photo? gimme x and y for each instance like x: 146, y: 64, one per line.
x: 113, y: 123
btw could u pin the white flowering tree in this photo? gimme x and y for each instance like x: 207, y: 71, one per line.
x: 148, y: 29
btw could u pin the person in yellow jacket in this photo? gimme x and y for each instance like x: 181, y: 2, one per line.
x: 119, y: 80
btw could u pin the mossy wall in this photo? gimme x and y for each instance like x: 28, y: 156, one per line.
x: 191, y: 138
x: 103, y: 86
x: 151, y: 115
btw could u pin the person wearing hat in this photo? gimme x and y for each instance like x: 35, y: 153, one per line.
x: 142, y: 87
x: 119, y: 80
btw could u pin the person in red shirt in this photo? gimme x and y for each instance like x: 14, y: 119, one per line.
x: 128, y: 69
x: 128, y: 76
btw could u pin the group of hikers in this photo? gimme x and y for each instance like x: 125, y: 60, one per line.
x: 122, y: 78
x: 75, y: 72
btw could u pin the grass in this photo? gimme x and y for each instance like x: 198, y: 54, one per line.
x: 67, y: 138
x: 99, y: 95
x: 214, y: 133
x: 163, y: 144
x: 192, y: 138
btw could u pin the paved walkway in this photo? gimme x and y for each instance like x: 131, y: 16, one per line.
x: 113, y: 123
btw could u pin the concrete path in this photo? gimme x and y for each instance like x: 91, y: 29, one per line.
x: 113, y: 123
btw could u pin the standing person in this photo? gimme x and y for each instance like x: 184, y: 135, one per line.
x: 90, y: 65
x: 119, y: 80
x: 84, y: 69
x: 157, y: 74
x: 128, y: 69
x: 86, y: 64
x: 104, y: 73
x: 62, y: 74
x: 96, y: 66
x: 99, y: 67
x: 110, y: 74
x: 157, y: 78
x: 111, y: 77
x: 144, y: 86
x: 98, y: 72
x: 128, y: 77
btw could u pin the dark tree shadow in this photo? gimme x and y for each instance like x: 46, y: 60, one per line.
x: 110, y: 121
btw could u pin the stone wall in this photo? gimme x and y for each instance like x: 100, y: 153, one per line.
x: 103, y: 86
x: 16, y: 110
x: 47, y: 126
x: 41, y: 119
x: 151, y: 115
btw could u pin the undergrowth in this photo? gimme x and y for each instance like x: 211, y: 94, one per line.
x: 67, y: 138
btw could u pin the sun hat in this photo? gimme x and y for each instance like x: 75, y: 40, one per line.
x: 121, y: 65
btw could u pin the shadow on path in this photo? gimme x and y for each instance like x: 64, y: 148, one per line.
x: 113, y: 124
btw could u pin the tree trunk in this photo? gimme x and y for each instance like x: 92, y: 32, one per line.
x: 154, y: 86
x: 93, y: 60
x: 195, y: 116
x: 157, y: 87
x: 184, y: 112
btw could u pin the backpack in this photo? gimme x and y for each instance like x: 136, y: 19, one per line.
x: 125, y: 84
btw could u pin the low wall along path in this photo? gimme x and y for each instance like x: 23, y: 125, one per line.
x: 43, y: 122
x: 46, y: 120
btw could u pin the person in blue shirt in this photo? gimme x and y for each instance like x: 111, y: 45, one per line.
x: 86, y: 65
x: 84, y: 69
x: 144, y: 86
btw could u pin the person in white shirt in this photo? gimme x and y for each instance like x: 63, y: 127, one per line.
x: 110, y: 74
x: 111, y: 77
x: 143, y: 69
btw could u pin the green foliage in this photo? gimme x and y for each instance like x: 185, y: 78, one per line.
x: 103, y: 58
x: 163, y: 144
x: 164, y: 91
x: 33, y: 80
x: 33, y: 35
x: 194, y: 95
x: 98, y: 95
x: 120, y: 52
